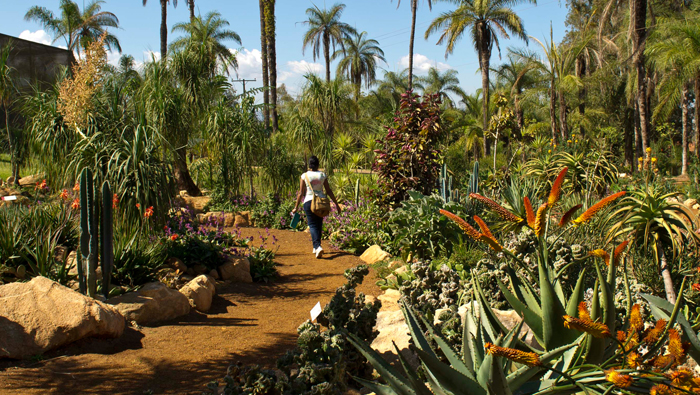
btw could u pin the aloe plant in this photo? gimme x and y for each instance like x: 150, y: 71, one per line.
x: 578, y: 347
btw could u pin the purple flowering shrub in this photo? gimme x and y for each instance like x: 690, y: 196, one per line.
x: 357, y: 227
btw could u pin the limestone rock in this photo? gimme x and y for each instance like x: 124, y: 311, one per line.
x: 176, y: 264
x: 41, y: 315
x: 374, y: 254
x: 200, y: 292
x: 214, y: 274
x: 153, y: 303
x: 10, y: 180
x: 390, y: 299
x: 236, y: 269
x: 509, y: 318
x: 31, y: 180
x: 392, y: 327
x: 200, y: 269
x: 229, y: 220
x: 242, y: 219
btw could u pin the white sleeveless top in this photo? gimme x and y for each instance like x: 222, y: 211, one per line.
x: 316, y: 179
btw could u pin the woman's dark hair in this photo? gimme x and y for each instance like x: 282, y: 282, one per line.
x: 313, y: 163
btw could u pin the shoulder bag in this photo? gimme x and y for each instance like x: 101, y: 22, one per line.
x: 320, y: 206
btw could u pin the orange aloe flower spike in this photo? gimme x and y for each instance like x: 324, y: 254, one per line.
x: 618, y: 379
x: 652, y: 334
x: 468, y: 229
x: 566, y: 218
x: 486, y: 235
x: 497, y: 208
x: 521, y: 357
x: 555, y: 193
x: 595, y: 329
x: 675, y: 345
x: 530, y: 213
x: 636, y: 321
x: 484, y: 228
x: 617, y: 254
x: 593, y: 210
x: 541, y: 220
x: 583, y: 311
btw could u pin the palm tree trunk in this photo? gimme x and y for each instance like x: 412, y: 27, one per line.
x: 696, y: 125
x: 190, y: 4
x: 629, y: 139
x: 519, y: 116
x: 666, y: 275
x: 327, y: 55
x: 263, y: 57
x: 685, y: 99
x: 580, y: 72
x: 562, y: 117
x: 414, y: 7
x: 484, y: 60
x: 271, y: 60
x: 163, y: 28
x: 552, y: 109
x: 182, y: 173
x: 639, y: 36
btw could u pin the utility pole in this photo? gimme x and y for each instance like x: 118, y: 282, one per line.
x: 244, y: 81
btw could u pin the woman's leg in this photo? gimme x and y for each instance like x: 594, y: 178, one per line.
x: 315, y: 225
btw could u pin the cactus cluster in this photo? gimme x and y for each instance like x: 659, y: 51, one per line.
x: 448, y: 193
x: 92, y: 235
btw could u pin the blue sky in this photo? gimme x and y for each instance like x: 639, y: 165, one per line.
x: 139, y: 33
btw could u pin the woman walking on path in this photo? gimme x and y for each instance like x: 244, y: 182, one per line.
x: 313, y: 182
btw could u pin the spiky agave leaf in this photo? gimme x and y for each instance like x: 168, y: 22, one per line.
x: 497, y: 208
x: 566, y: 218
x: 593, y: 210
x: 530, y: 213
x: 555, y: 193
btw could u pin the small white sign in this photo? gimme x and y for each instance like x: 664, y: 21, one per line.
x: 9, y: 197
x: 316, y: 311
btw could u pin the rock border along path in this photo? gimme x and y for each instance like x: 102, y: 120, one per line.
x: 252, y: 323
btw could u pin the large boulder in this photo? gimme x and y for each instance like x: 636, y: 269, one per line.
x: 41, y: 315
x: 200, y: 292
x: 153, y: 303
x: 236, y: 269
x: 31, y: 180
x: 374, y: 254
x: 242, y: 219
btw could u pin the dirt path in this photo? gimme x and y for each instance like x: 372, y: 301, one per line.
x: 251, y: 323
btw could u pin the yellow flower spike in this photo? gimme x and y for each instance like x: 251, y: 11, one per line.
x: 634, y: 360
x: 497, y: 208
x: 620, y: 380
x: 549, y: 151
x: 583, y: 311
x: 682, y: 377
x: 595, y: 329
x: 593, y: 210
x: 636, y: 321
x: 675, y: 346
x: 530, y: 213
x: 601, y: 254
x: 652, y: 335
x: 648, y: 150
x: 541, y: 220
x: 640, y: 159
x: 555, y: 193
x: 577, y: 141
x: 660, y: 389
x: 468, y: 229
x: 568, y: 141
x: 521, y: 357
x: 653, y: 160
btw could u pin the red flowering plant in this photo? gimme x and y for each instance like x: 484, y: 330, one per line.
x: 407, y: 159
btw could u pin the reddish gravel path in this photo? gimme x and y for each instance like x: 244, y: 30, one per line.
x: 252, y: 323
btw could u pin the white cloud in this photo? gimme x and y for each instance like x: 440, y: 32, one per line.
x: 113, y: 57
x: 150, y: 55
x: 421, y: 64
x: 303, y: 67
x: 39, y: 36
x: 249, y: 64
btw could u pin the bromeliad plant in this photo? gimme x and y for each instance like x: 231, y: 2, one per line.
x: 570, y: 347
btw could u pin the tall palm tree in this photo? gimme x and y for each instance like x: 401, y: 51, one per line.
x: 265, y: 68
x: 75, y: 27
x: 638, y: 22
x: 206, y: 36
x: 443, y: 84
x: 163, y: 25
x: 7, y: 90
x: 271, y: 59
x: 414, y: 10
x: 190, y: 5
x: 485, y: 21
x: 326, y: 29
x: 359, y: 61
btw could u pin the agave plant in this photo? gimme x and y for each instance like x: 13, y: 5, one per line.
x: 578, y: 347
